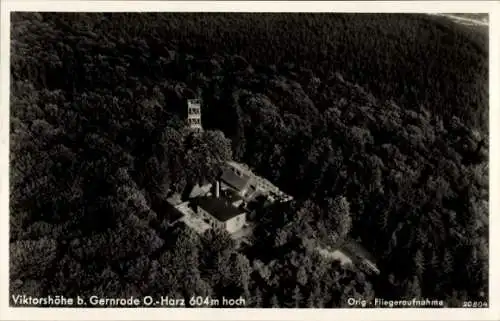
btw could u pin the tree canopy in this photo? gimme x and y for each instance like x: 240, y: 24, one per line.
x: 375, y: 123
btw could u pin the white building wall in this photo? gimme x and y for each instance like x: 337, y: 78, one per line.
x: 212, y: 221
x: 236, y: 223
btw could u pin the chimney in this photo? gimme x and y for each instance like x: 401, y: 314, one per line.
x: 217, y: 189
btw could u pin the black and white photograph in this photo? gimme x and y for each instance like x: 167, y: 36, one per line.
x: 248, y: 160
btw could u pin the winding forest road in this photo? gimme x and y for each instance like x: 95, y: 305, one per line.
x: 463, y: 20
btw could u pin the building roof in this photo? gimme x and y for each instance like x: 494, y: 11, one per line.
x: 252, y: 193
x: 169, y: 211
x: 192, y: 188
x: 173, y: 200
x: 218, y: 208
x: 165, y: 209
x: 240, y: 166
x: 234, y: 180
x: 200, y: 190
x: 174, y: 215
x: 231, y: 196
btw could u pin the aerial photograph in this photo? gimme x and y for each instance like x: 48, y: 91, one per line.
x: 249, y: 160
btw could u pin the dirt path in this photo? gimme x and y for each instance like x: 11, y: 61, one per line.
x: 464, y: 20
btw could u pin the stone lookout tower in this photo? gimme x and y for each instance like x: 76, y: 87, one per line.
x: 194, y: 115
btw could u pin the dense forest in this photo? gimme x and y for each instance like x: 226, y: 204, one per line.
x: 377, y: 124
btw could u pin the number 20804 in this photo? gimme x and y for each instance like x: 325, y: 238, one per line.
x: 474, y: 304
